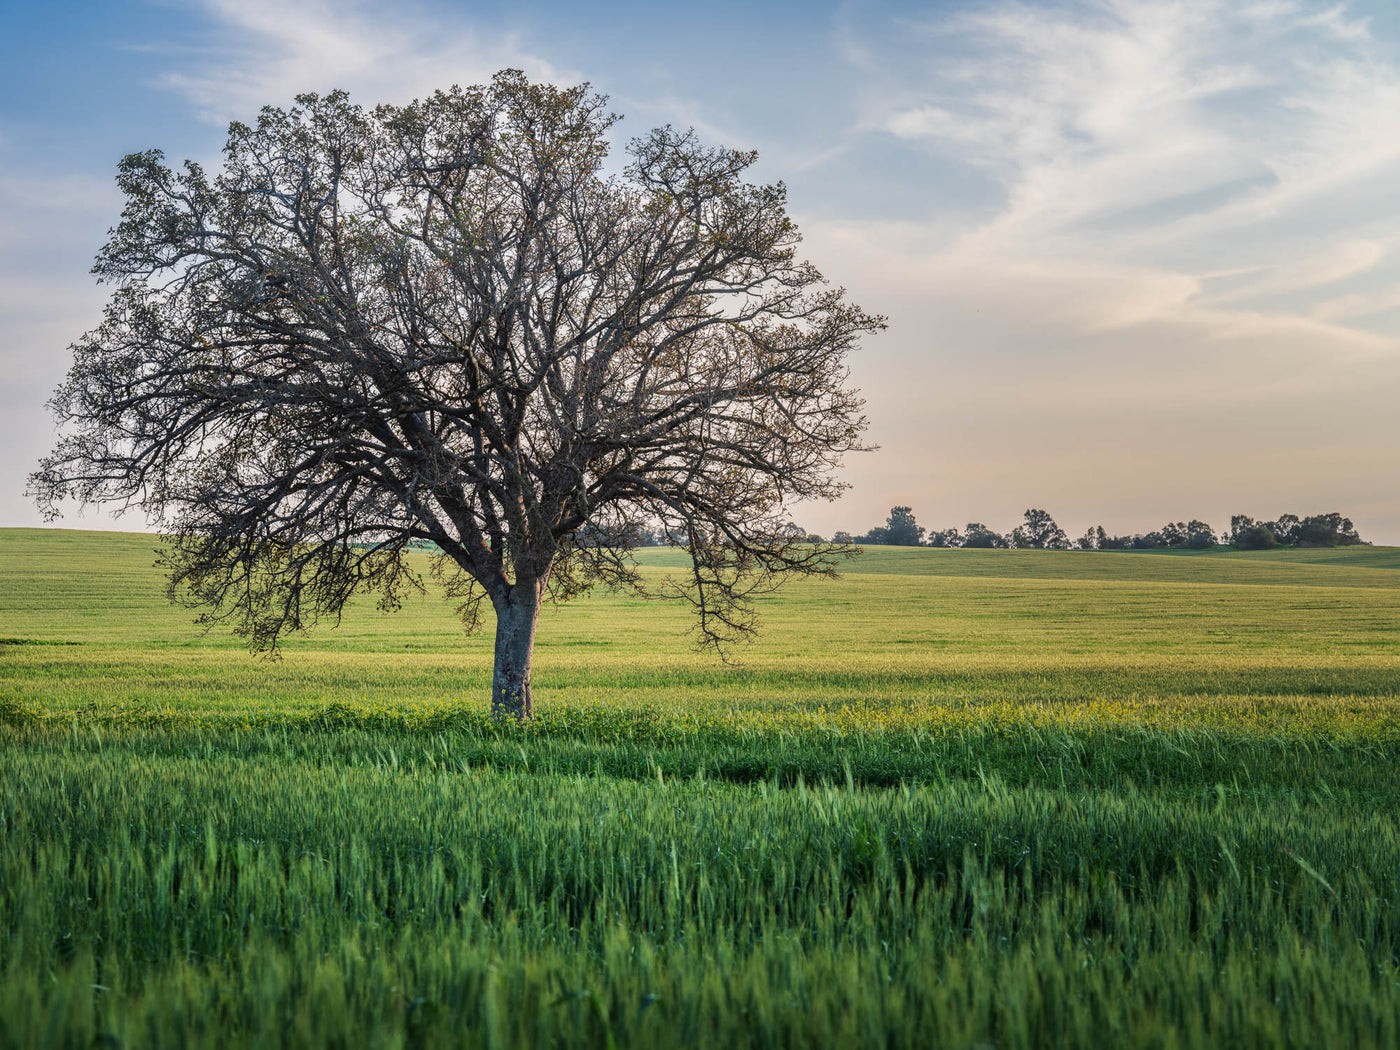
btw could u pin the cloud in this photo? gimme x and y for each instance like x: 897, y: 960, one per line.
x: 1328, y: 265
x: 275, y: 49
x: 1207, y: 162
x: 1140, y: 131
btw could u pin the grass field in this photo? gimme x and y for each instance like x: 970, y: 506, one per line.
x: 956, y: 798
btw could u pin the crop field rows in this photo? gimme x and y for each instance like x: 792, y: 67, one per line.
x: 956, y: 798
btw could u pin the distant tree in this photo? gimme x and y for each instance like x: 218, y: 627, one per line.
x: 902, y: 530
x: 1090, y: 540
x: 945, y: 538
x: 453, y: 321
x: 1285, y: 529
x: 842, y: 538
x: 1326, y: 530
x: 1199, y: 535
x: 1174, y: 534
x: 1105, y: 541
x: 978, y: 535
x: 800, y: 535
x: 1315, y: 530
x: 1239, y: 525
x: 1040, y: 532
x: 1254, y: 537
x: 899, y: 530
x: 1194, y: 533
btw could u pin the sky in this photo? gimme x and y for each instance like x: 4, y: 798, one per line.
x: 1140, y: 258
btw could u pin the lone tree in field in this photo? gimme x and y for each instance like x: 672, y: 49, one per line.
x: 445, y: 323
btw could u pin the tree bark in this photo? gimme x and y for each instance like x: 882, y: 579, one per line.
x: 517, y: 616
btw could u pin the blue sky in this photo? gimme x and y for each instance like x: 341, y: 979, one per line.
x: 1141, y: 260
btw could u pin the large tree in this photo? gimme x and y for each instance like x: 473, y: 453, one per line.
x: 449, y: 324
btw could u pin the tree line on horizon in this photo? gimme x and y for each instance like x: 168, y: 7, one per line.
x: 1040, y: 531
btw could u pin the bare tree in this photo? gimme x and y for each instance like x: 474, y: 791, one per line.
x: 446, y: 323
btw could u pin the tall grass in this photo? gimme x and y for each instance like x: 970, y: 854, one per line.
x: 275, y: 891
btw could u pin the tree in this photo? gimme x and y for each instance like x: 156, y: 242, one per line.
x: 447, y: 322
x: 1255, y: 537
x: 1040, y: 532
x: 977, y: 535
x: 1174, y: 534
x: 1239, y: 525
x: 1199, y: 535
x: 1326, y: 530
x: 1285, y: 529
x: 901, y: 530
x: 1315, y: 530
x: 945, y: 538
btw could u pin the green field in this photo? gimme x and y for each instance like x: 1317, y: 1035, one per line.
x: 955, y: 798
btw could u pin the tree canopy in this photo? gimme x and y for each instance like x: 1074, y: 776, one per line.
x: 448, y: 323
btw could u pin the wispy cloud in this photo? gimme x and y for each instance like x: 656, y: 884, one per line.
x: 275, y: 49
x: 1184, y: 136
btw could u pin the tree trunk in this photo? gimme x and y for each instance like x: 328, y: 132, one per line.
x: 517, y: 615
